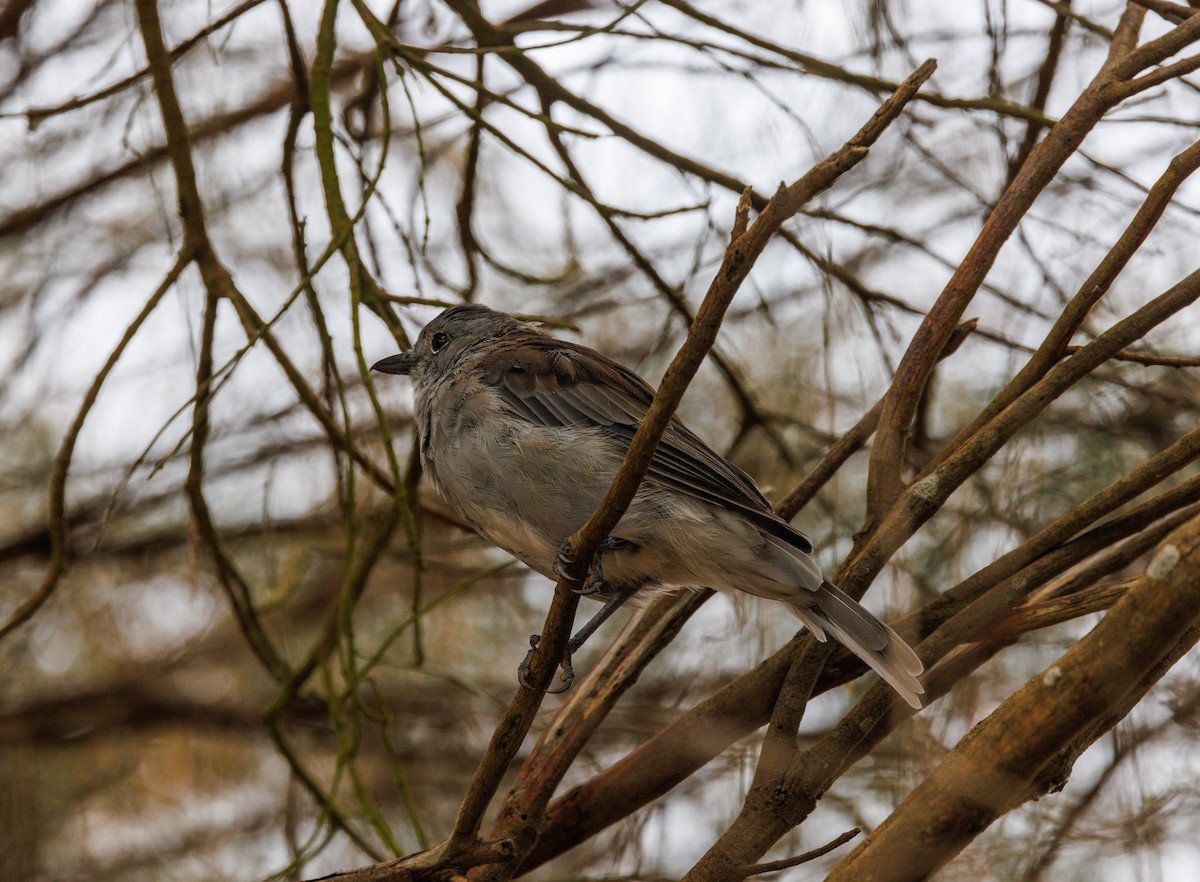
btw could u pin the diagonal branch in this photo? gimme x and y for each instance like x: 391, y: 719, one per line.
x: 885, y: 480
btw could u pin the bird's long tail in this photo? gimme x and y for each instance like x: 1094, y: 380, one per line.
x: 829, y: 610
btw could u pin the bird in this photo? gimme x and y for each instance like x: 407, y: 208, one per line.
x: 522, y: 432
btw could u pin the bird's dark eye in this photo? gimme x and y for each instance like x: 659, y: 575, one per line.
x: 440, y: 339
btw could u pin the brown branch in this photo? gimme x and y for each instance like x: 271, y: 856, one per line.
x: 428, y: 866
x: 960, y: 614
x: 1097, y: 284
x: 1001, y: 763
x: 1048, y: 613
x: 1143, y: 527
x: 1150, y: 359
x: 1127, y: 746
x: 678, y: 751
x: 806, y: 857
x: 734, y: 268
x: 885, y: 480
x: 877, y: 714
x: 1128, y: 59
x: 1176, y: 13
x: 987, y: 603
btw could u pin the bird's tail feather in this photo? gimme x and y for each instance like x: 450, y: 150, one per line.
x: 832, y: 611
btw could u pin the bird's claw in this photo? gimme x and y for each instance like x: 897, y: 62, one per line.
x: 568, y: 674
x: 523, y: 667
x: 594, y: 582
x: 562, y: 562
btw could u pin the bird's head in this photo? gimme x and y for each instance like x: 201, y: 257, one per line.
x: 445, y: 340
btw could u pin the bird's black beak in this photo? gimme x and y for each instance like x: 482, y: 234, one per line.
x: 402, y: 363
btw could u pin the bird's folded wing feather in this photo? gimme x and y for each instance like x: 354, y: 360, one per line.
x: 553, y: 383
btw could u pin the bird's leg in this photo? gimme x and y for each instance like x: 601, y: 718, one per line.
x: 577, y: 640
x: 589, y: 628
x: 591, y: 625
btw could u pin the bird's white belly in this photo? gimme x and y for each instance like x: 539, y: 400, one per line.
x: 526, y: 488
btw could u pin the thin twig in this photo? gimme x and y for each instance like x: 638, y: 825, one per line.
x: 806, y: 857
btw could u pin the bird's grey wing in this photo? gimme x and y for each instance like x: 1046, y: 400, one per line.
x: 553, y: 383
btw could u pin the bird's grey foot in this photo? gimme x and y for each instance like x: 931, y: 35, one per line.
x: 562, y: 561
x: 523, y: 667
x: 568, y: 670
x: 595, y: 579
x: 567, y: 676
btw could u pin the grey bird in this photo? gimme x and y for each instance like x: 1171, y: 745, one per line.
x: 521, y: 433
